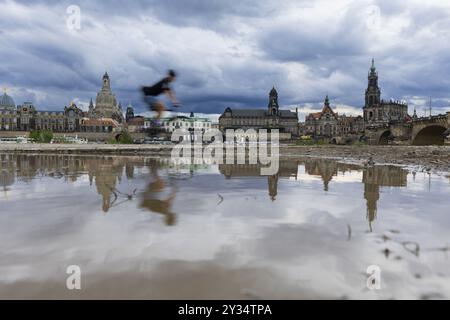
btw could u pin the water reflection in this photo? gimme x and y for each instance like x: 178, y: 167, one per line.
x: 299, y: 232
x: 327, y: 169
x: 287, y: 169
x: 156, y: 196
x: 160, y: 192
x: 376, y: 177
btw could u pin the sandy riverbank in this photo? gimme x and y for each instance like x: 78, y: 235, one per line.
x: 429, y: 158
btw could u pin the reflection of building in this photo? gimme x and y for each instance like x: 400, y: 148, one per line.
x: 376, y: 177
x: 7, y: 171
x: 105, y: 172
x: 373, y: 178
x: 324, y: 168
x: 327, y: 169
x: 287, y: 169
x: 378, y: 112
x: 271, y: 118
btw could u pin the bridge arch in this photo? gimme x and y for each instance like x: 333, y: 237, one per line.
x: 385, y: 137
x: 430, y: 135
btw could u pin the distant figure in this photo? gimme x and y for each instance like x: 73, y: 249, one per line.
x: 162, y: 86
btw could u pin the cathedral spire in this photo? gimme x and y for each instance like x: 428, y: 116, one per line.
x: 327, y: 101
x: 373, y: 92
x: 273, y: 101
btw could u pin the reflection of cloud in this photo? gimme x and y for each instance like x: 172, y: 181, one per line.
x: 294, y: 247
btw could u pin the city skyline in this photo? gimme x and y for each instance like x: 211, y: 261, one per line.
x: 234, y: 60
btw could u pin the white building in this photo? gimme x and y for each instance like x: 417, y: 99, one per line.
x: 190, y: 124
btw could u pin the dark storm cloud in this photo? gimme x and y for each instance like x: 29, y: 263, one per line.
x: 175, y: 12
x: 227, y: 54
x: 303, y: 41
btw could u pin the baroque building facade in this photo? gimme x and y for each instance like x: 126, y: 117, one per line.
x: 350, y: 125
x: 105, y: 116
x: 377, y: 113
x: 323, y: 123
x: 25, y: 117
x: 270, y: 118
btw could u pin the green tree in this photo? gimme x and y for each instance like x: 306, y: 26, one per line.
x: 44, y: 136
x: 35, y: 136
x: 125, y: 138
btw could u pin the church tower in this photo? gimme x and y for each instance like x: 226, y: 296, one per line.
x: 373, y: 92
x: 106, y: 103
x: 273, y: 102
x: 130, y: 113
x: 91, y: 106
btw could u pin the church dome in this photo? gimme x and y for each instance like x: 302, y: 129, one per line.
x: 6, y: 102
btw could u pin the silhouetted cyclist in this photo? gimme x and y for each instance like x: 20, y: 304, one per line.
x: 162, y: 86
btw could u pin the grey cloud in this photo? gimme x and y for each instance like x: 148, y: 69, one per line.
x: 228, y: 55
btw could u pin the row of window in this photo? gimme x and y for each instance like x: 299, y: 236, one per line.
x: 186, y: 124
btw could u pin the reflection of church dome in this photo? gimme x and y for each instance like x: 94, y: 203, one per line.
x: 6, y: 102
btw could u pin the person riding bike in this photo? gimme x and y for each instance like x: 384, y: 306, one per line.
x: 162, y: 86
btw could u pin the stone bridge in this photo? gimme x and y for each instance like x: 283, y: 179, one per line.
x: 430, y: 130
x: 434, y: 130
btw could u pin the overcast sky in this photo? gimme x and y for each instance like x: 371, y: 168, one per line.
x: 228, y: 53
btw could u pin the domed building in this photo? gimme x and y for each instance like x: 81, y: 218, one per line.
x: 7, y: 103
x: 8, y: 113
x: 105, y: 116
x: 106, y: 103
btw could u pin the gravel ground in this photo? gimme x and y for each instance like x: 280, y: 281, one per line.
x: 425, y: 158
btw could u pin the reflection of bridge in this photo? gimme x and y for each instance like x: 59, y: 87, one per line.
x: 433, y: 130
